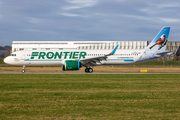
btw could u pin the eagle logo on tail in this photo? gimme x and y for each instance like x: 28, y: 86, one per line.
x: 162, y: 41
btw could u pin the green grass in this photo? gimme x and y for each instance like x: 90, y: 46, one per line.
x: 1, y: 61
x: 89, y: 96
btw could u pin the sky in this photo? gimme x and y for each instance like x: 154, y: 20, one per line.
x: 87, y: 20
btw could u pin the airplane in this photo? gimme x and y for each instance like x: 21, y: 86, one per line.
x: 75, y: 59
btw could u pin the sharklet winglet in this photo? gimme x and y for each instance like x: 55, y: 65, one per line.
x: 114, y: 49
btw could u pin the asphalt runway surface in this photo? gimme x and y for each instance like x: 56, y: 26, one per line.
x: 84, y: 73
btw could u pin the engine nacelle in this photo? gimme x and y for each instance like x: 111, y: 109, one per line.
x: 71, y: 65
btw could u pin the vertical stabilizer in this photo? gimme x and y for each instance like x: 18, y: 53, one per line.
x: 160, y: 41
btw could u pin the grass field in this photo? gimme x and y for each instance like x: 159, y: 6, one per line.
x: 89, y: 96
x: 1, y: 61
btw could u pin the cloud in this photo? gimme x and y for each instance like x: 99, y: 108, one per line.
x: 35, y: 20
x: 170, y: 5
x: 169, y: 20
x: 1, y: 3
x: 87, y: 19
x: 78, y: 4
x: 35, y: 30
x: 153, y: 19
x: 137, y: 17
x: 159, y: 8
x: 69, y: 14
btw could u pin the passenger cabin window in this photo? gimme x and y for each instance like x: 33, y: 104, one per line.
x: 21, y: 48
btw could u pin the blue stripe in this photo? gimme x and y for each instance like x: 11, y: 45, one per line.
x: 42, y: 60
x: 130, y: 60
x: 114, y: 59
x: 125, y: 60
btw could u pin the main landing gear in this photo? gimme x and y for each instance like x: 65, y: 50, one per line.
x: 88, y: 70
x: 23, y: 70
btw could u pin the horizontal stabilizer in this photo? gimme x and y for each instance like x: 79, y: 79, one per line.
x: 165, y: 53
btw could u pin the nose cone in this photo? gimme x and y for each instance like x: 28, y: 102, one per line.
x: 6, y: 60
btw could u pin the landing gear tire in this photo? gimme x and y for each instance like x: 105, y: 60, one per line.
x: 88, y: 70
x: 23, y: 71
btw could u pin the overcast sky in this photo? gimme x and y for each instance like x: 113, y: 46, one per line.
x: 87, y: 20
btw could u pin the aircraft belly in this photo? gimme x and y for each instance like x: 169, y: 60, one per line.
x: 45, y: 63
x: 38, y: 63
x: 117, y: 62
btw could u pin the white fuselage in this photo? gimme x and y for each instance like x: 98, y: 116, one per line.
x: 50, y: 57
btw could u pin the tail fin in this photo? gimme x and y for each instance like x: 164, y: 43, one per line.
x: 160, y: 41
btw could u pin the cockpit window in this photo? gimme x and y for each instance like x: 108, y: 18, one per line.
x: 12, y: 55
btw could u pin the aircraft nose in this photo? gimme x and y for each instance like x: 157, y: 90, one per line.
x: 6, y: 60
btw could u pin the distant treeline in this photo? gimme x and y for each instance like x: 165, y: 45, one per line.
x: 158, y: 63
x: 5, y: 47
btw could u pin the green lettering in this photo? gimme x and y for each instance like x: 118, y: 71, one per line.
x: 82, y: 55
x: 75, y: 55
x: 41, y: 55
x: 70, y: 56
x: 57, y: 54
x: 34, y: 54
x: 50, y: 55
x: 66, y: 53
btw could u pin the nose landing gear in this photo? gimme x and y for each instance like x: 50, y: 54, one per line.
x: 23, y: 70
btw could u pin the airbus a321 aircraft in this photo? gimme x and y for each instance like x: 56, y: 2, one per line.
x: 75, y: 59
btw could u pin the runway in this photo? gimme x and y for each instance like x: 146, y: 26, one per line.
x: 86, y: 73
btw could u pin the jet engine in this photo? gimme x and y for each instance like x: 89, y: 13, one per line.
x: 71, y: 65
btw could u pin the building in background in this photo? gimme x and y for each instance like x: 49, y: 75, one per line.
x: 80, y: 45
x: 88, y: 45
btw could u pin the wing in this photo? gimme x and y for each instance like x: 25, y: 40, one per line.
x: 94, y: 60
